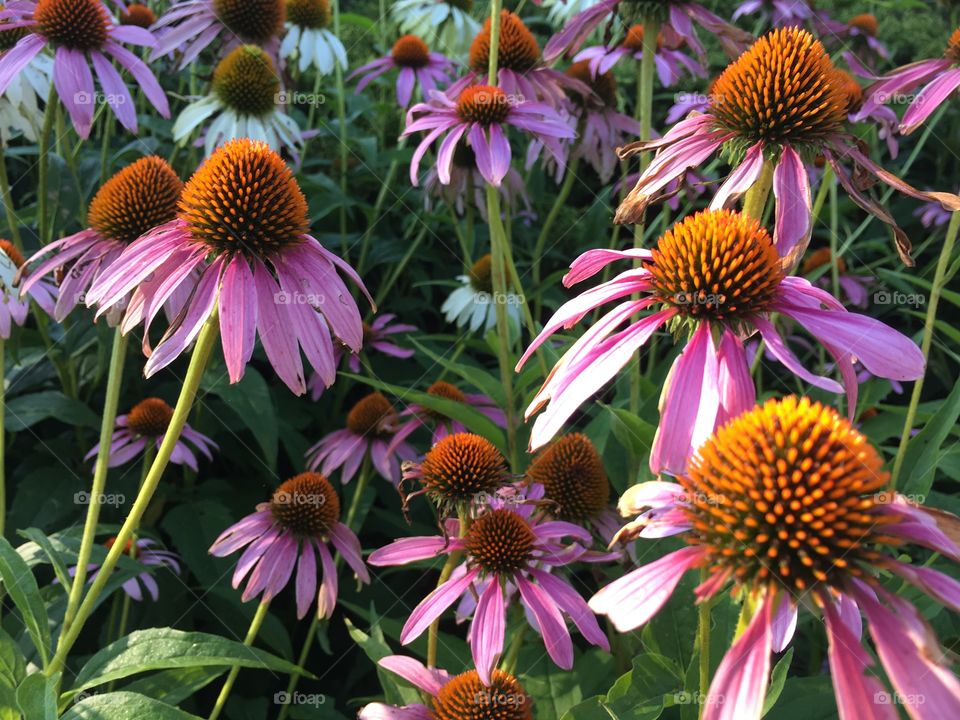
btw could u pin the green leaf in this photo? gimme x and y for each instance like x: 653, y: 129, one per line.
x: 37, y: 697
x: 923, y: 450
x: 474, y: 420
x: 21, y: 585
x: 592, y: 709
x: 250, y: 399
x: 375, y: 647
x: 634, y: 434
x: 124, y: 706
x: 481, y: 380
x: 165, y: 648
x: 53, y: 555
x: 175, y: 685
x: 27, y: 410
x: 12, y: 663
x: 777, y: 680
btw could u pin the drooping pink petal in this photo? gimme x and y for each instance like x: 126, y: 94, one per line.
x: 741, y: 179
x: 348, y: 545
x: 430, y: 680
x: 278, y: 342
x: 737, y: 391
x: 929, y: 99
x: 408, y: 550
x: 487, y: 630
x: 553, y: 629
x: 573, y: 605
x: 238, y: 317
x: 434, y: 605
x: 75, y: 88
x: 791, y: 188
x: 327, y: 597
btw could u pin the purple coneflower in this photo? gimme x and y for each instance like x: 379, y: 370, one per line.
x: 678, y: 17
x: 135, y: 200
x: 480, y: 116
x: 719, y: 272
x: 855, y: 287
x: 443, y: 425
x: 416, y: 64
x: 144, y: 552
x: 13, y: 307
x: 241, y: 244
x: 371, y: 432
x: 505, y: 544
x: 787, y: 504
x: 669, y: 58
x: 939, y: 77
x: 146, y: 424
x: 453, y: 697
x: 862, y: 30
x: 285, y: 536
x: 757, y: 112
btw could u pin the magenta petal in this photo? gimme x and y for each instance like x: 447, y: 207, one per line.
x: 408, y: 550
x: 573, y: 605
x: 143, y: 75
x: 75, y: 88
x: 553, y: 629
x: 117, y: 94
x: 306, y: 579
x: 278, y: 342
x: 737, y: 391
x: 327, y: 597
x: 348, y: 545
x: 778, y: 348
x: 445, y: 153
x: 487, y: 630
x: 791, y: 188
x: 741, y: 179
x: 427, y: 679
x: 929, y: 99
x: 433, y: 606
x: 238, y: 317
x: 18, y: 57
x: 937, y: 585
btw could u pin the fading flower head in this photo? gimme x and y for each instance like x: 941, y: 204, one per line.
x: 146, y: 553
x: 442, y: 424
x: 13, y: 307
x: 416, y: 65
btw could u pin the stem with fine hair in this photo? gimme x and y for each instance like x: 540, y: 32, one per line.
x: 235, y: 670
x: 188, y: 393
x: 453, y: 559
x: 8, y: 202
x: 118, y: 355
x: 43, y: 163
x: 936, y: 288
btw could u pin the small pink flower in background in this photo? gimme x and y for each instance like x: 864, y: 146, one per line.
x: 480, y: 116
x: 855, y: 287
x: 13, y: 307
x: 284, y: 538
x: 146, y: 554
x: 506, y: 544
x: 134, y: 201
x: 371, y: 432
x: 777, y: 12
x: 742, y: 529
x: 669, y: 58
x: 862, y: 32
x: 146, y: 423
x: 416, y: 65
x: 83, y: 36
x: 701, y: 292
x: 420, y: 416
x: 240, y: 244
x: 452, y: 696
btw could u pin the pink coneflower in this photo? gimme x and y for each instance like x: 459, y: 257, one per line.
x: 883, y: 118
x: 757, y: 111
x: 670, y: 59
x: 145, y: 553
x: 480, y: 115
x: 137, y: 199
x: 376, y: 336
x: 193, y: 25
x: 788, y: 505
x: 287, y: 534
x: 370, y: 433
x: 862, y: 31
x: 241, y: 244
x: 939, y: 77
x: 459, y: 697
x: 13, y: 307
x: 505, y: 544
x: 83, y: 35
x: 443, y: 425
x: 714, y: 272
x: 146, y: 424
x: 855, y: 287
x: 777, y: 12
x: 416, y: 64
x: 677, y: 23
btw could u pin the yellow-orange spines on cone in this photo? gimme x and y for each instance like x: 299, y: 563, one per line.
x: 788, y: 493
x: 952, y: 52
x: 136, y: 199
x: 852, y: 90
x: 150, y: 417
x: 309, y: 13
x: 137, y: 15
x: 462, y: 466
x: 244, y: 199
x: 246, y: 81
x: 370, y: 413
x: 465, y: 697
x: 716, y: 264
x: 306, y: 504
x: 518, y: 49
x: 500, y: 541
x: 483, y: 104
x: 410, y: 51
x: 784, y: 89
x: 604, y: 85
x: 572, y: 475
x: 73, y: 24
x: 254, y: 21
x: 481, y: 274
x: 10, y: 250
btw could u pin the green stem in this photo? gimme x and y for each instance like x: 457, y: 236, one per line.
x: 703, y: 640
x: 342, y: 127
x: 110, y: 404
x: 552, y: 216
x: 105, y: 149
x: 755, y: 199
x: 3, y: 438
x: 946, y: 251
x: 43, y: 149
x: 8, y: 202
x: 235, y: 670
x: 188, y: 393
x: 453, y: 559
x: 509, y: 664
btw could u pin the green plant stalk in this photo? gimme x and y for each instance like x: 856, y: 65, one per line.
x: 43, y: 166
x: 362, y: 482
x: 552, y: 216
x: 453, y: 559
x: 946, y: 251
x: 509, y: 664
x: 703, y: 640
x: 235, y: 670
x: 105, y: 148
x: 755, y: 199
x: 8, y: 202
x: 342, y: 128
x: 188, y: 393
x: 111, y: 401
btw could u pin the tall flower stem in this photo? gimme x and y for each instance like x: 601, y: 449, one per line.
x: 703, y: 640
x: 8, y: 202
x: 235, y: 670
x: 342, y: 128
x: 362, y: 482
x: 188, y: 393
x: 755, y: 199
x: 43, y: 164
x: 118, y: 355
x: 453, y: 559
x: 552, y: 216
x: 946, y: 250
